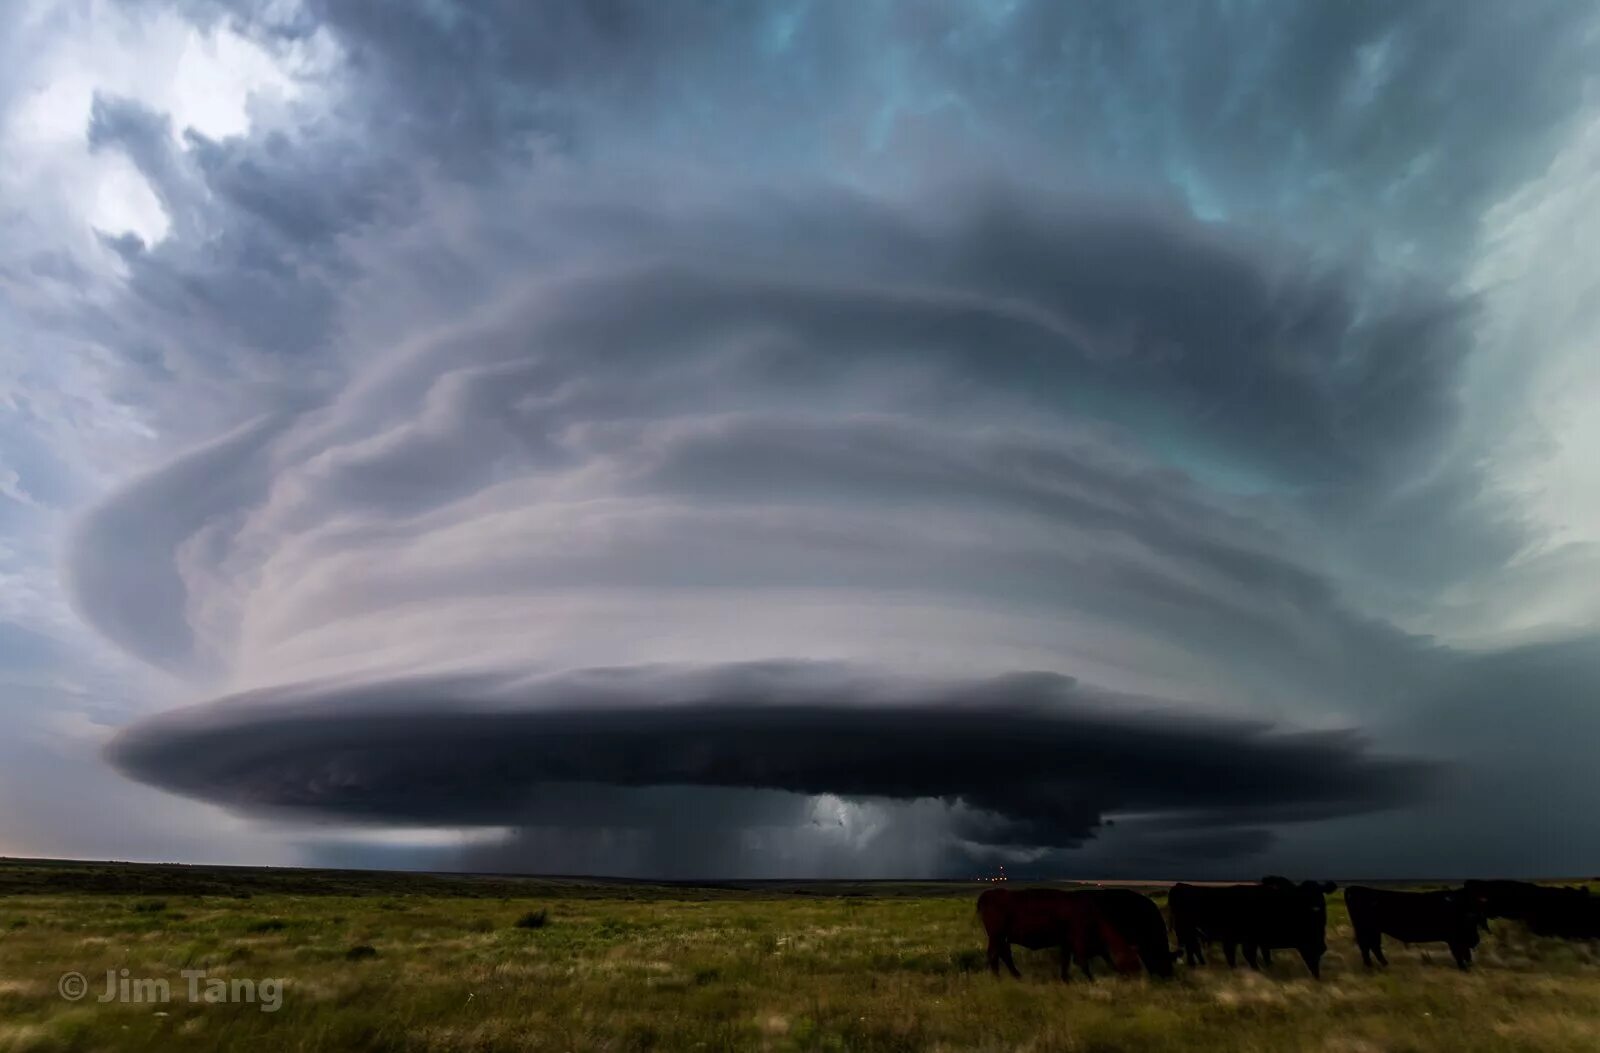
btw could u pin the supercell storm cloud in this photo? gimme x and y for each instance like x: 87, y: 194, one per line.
x: 852, y: 438
x: 841, y: 438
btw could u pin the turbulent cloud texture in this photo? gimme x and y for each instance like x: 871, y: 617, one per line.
x: 820, y: 438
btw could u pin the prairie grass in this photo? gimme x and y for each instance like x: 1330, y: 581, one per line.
x: 392, y: 962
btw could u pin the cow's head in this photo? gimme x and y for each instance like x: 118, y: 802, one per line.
x: 1152, y: 943
x: 1469, y: 917
x: 1158, y: 959
x: 1311, y: 896
x: 1483, y: 903
x: 1481, y: 908
x: 1303, y: 909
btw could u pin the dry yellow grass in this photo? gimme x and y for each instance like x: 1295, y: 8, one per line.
x: 621, y: 969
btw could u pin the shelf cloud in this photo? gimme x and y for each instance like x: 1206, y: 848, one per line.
x: 1021, y: 761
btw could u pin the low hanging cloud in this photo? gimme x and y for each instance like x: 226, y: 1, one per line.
x: 1028, y: 760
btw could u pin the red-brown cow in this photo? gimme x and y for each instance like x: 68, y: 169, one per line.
x: 1045, y: 917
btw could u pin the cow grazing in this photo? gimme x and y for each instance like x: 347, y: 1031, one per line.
x: 1208, y: 915
x: 1041, y: 917
x: 1449, y: 917
x: 1138, y: 921
x: 1519, y: 900
x: 1275, y: 913
x: 1547, y: 910
x: 1293, y: 916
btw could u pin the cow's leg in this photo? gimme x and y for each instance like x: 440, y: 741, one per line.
x: 994, y: 955
x: 1266, y: 956
x: 1230, y: 950
x: 1463, y: 955
x: 1368, y: 942
x: 1313, y: 959
x: 1250, y: 955
x: 1066, y: 963
x: 1005, y: 956
x: 1082, y: 943
x: 1377, y: 950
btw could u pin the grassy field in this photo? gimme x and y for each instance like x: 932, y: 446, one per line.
x: 403, y: 962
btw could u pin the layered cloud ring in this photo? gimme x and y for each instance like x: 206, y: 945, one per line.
x: 852, y: 439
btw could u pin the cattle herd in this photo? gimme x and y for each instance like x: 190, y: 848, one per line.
x: 1126, y: 929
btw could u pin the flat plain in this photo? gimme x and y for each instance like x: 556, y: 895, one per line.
x: 405, y: 962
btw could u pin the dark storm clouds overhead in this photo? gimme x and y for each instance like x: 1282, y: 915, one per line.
x: 741, y: 349
x: 1364, y: 125
x: 1030, y: 760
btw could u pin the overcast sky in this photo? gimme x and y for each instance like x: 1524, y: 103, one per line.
x: 802, y: 438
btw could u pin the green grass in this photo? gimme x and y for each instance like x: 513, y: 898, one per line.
x: 627, y: 967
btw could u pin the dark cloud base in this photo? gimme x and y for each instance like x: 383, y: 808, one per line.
x: 1028, y: 759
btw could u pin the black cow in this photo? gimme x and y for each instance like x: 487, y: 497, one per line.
x: 1449, y: 917
x: 1203, y: 915
x: 1575, y: 917
x: 1547, y: 910
x: 1138, y: 920
x: 1275, y: 913
x: 1519, y: 900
